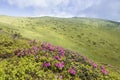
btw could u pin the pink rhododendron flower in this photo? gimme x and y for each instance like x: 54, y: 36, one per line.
x: 46, y: 64
x: 102, y: 67
x: 72, y: 71
x: 61, y: 51
x: 94, y: 65
x: 43, y: 49
x: 51, y: 48
x: 59, y: 48
x: 59, y: 65
x: 35, y: 48
x: 57, y: 57
x: 103, y: 70
x: 60, y: 77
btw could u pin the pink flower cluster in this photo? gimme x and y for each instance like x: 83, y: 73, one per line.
x: 35, y: 49
x: 51, y: 47
x: 60, y: 65
x: 46, y: 46
x: 57, y: 57
x: 46, y: 64
x: 103, y: 70
x: 48, y: 49
x: 61, y: 51
x: 72, y: 71
x: 23, y: 52
x: 43, y: 47
x: 95, y: 65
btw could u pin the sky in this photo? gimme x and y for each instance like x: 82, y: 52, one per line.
x: 105, y: 9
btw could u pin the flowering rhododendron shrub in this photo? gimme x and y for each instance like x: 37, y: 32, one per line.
x: 44, y: 61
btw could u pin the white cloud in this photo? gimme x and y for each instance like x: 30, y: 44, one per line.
x: 84, y: 4
x: 28, y: 3
x: 61, y: 8
x: 81, y: 4
x: 108, y: 9
x: 36, y: 3
x: 65, y: 8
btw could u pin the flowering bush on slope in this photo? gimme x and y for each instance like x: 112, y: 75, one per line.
x: 61, y: 61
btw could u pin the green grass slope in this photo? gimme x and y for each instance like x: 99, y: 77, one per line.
x: 24, y: 59
x: 95, y: 38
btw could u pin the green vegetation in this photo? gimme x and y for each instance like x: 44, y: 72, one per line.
x: 94, y: 38
x: 28, y: 60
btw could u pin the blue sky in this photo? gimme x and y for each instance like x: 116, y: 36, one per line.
x: 105, y: 9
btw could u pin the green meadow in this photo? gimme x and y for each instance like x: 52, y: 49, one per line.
x: 96, y: 39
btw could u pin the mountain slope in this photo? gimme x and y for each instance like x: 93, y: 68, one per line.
x: 24, y: 59
x: 94, y: 38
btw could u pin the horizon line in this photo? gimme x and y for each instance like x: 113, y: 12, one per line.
x: 59, y: 17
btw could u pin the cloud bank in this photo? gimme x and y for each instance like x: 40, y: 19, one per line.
x: 107, y: 9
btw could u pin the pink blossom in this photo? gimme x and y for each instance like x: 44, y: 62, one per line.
x: 59, y: 48
x: 51, y: 48
x: 59, y: 65
x: 102, y: 67
x: 103, y: 70
x: 61, y: 51
x: 57, y: 57
x: 60, y: 77
x: 46, y: 64
x: 72, y: 71
x: 94, y: 65
x: 43, y: 49
x: 35, y: 48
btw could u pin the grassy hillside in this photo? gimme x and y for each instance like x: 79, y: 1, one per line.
x: 95, y: 38
x: 24, y: 59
